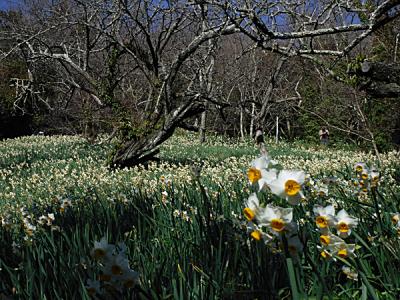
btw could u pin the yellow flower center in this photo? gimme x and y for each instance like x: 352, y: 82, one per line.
x: 395, y: 219
x: 116, y: 270
x: 277, y: 224
x: 359, y: 168
x: 343, y: 227
x: 375, y: 179
x: 364, y: 176
x: 249, y: 213
x: 104, y: 277
x: 342, y: 253
x: 325, y: 254
x: 292, y: 187
x: 325, y: 239
x: 256, y: 235
x: 322, y: 221
x: 129, y: 283
x: 254, y: 175
x: 99, y: 253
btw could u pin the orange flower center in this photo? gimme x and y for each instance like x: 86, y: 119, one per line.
x: 116, y: 270
x: 277, y: 224
x: 99, y: 253
x: 129, y: 283
x: 104, y: 277
x: 292, y: 187
x: 325, y: 239
x: 322, y: 222
x: 343, y: 227
x: 342, y: 253
x: 256, y: 235
x: 249, y: 214
x: 254, y: 175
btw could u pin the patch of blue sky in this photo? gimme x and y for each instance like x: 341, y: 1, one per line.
x: 6, y: 5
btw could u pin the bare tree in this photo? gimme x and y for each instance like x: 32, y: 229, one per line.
x: 110, y: 49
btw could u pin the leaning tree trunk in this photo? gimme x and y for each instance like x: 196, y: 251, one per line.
x: 138, y: 151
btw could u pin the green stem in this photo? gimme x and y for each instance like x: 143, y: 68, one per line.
x: 292, y: 279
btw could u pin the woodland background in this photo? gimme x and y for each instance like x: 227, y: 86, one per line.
x: 90, y: 67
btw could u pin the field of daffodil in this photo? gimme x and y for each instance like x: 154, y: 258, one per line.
x: 217, y: 220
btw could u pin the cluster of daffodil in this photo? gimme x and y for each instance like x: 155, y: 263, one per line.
x: 273, y: 224
x: 319, y: 188
x: 366, y: 179
x: 40, y: 168
x: 331, y: 244
x: 115, y: 273
x: 27, y: 222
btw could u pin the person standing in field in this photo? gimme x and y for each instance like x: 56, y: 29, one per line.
x: 324, y: 136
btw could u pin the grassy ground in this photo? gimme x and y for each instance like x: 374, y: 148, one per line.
x: 182, y: 223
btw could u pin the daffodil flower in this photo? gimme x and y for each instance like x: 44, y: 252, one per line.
x: 351, y: 274
x: 254, y: 173
x: 325, y: 253
x: 93, y: 287
x: 343, y: 250
x: 364, y: 175
x: 102, y: 249
x: 259, y: 173
x: 324, y: 216
x: 129, y: 278
x: 344, y: 223
x: 257, y: 234
x: 360, y: 166
x: 276, y: 218
x: 374, y: 175
x: 329, y: 239
x: 395, y: 219
x: 252, y: 207
x: 288, y: 185
x: 118, y: 265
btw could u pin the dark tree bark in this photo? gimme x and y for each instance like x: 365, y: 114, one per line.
x: 137, y: 151
x: 383, y: 80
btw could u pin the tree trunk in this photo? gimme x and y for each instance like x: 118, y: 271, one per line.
x: 241, y: 123
x: 137, y: 151
x: 202, y: 129
x: 384, y: 79
x: 253, y: 115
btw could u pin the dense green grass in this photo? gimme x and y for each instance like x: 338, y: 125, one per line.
x: 181, y: 220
